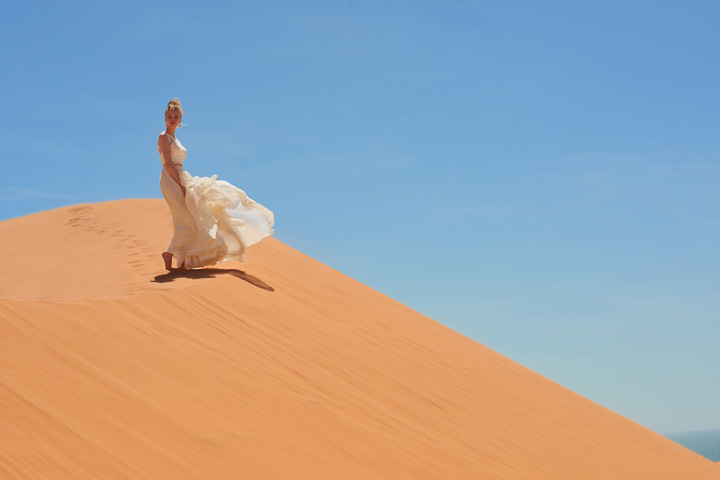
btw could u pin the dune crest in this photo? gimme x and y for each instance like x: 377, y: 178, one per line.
x: 282, y: 368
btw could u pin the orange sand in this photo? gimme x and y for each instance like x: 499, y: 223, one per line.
x: 279, y: 369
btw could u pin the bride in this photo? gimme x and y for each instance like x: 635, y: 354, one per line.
x: 213, y: 220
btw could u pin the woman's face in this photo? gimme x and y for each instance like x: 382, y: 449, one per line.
x: 172, y: 118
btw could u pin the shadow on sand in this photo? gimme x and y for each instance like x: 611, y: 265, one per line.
x: 211, y: 273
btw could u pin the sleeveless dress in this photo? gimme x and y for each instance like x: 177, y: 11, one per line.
x: 215, y: 221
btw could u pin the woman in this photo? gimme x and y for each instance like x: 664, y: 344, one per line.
x: 214, y: 221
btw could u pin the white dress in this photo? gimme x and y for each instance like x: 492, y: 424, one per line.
x: 215, y: 221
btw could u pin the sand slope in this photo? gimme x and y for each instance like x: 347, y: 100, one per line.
x: 279, y: 369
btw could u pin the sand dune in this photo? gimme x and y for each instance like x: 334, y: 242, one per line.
x: 282, y: 368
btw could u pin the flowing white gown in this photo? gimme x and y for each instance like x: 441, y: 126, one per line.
x: 215, y: 221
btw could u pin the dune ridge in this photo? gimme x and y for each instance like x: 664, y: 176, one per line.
x: 279, y: 368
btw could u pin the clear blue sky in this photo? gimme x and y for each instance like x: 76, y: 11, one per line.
x: 540, y: 176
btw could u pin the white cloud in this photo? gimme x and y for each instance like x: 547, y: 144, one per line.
x: 457, y: 213
x: 360, y: 163
x: 712, y: 225
x: 13, y: 193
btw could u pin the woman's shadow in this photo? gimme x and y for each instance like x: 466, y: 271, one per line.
x: 201, y: 273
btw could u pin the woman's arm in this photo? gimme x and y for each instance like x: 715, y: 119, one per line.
x: 164, y: 147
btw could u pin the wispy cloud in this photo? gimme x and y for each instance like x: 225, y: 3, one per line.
x: 354, y: 164
x: 465, y: 212
x: 575, y: 179
x: 712, y: 225
x: 14, y: 193
x: 46, y: 148
x: 606, y: 159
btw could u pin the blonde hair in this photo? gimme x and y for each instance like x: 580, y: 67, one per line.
x: 174, y: 104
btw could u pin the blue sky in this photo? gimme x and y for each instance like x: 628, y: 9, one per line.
x: 540, y: 176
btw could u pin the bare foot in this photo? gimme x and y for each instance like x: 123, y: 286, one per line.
x: 167, y: 257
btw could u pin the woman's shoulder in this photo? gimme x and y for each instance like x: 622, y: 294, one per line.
x: 165, y: 138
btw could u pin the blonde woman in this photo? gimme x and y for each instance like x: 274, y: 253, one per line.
x: 213, y: 220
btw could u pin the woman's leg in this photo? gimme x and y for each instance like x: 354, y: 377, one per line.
x: 167, y: 257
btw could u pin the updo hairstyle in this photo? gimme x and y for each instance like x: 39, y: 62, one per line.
x: 174, y: 104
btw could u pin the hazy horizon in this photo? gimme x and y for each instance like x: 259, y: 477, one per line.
x: 702, y: 442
